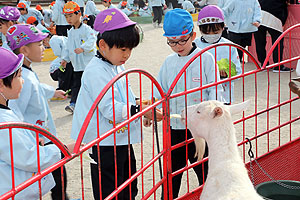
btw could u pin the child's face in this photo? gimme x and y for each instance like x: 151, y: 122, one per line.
x: 35, y: 51
x: 5, y: 26
x: 105, y: 3
x: 16, y: 87
x: 73, y: 19
x: 214, y: 32
x: 183, y: 45
x: 46, y: 42
x: 117, y: 56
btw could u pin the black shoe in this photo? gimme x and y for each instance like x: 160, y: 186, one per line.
x: 282, y: 69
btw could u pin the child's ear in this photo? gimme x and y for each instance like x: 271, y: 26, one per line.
x: 194, y: 36
x: 102, y: 45
x: 25, y: 50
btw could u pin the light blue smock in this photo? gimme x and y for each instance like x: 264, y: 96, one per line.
x: 57, y: 44
x: 47, y: 17
x: 4, y: 43
x: 32, y: 105
x: 31, y: 12
x: 95, y: 77
x: 188, y: 6
x: 27, y: 3
x: 90, y: 8
x: 170, y: 69
x: 79, y: 2
x: 240, y: 14
x: 156, y: 3
x: 25, y: 159
x: 58, y: 16
x: 223, y: 52
x: 83, y: 37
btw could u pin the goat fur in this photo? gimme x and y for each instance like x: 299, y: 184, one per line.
x: 227, y: 177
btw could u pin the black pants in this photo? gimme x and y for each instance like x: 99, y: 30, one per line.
x: 242, y: 39
x: 179, y: 159
x: 64, y: 78
x: 61, y: 30
x: 56, y: 191
x: 75, y: 85
x: 173, y: 2
x: 261, y: 41
x: 157, y: 14
x: 107, y: 167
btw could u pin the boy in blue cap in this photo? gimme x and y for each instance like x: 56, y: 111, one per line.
x: 178, y: 28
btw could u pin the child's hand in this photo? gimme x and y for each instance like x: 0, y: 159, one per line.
x: 63, y: 63
x: 147, y: 122
x: 60, y: 93
x: 148, y: 114
x: 78, y: 50
x: 223, y: 74
x: 41, y: 141
x: 71, y: 147
x: 256, y: 24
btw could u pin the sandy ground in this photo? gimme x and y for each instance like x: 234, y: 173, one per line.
x: 149, y: 56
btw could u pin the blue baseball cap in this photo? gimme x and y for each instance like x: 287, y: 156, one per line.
x: 178, y: 23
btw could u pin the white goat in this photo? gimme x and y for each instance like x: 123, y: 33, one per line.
x: 227, y: 177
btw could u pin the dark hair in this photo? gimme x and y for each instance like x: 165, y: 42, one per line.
x: 128, y: 37
x: 206, y: 28
x: 91, y: 20
x: 35, y: 23
x: 3, y: 21
x: 7, y: 80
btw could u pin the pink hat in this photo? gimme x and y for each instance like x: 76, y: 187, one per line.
x: 111, y: 19
x: 10, y: 63
x: 210, y: 14
x: 20, y: 35
x: 9, y: 13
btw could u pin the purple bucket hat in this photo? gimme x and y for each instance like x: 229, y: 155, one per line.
x: 111, y: 19
x: 9, y: 13
x: 10, y: 62
x: 20, y: 35
x: 210, y: 14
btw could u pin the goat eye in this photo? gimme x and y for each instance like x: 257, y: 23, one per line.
x: 198, y: 111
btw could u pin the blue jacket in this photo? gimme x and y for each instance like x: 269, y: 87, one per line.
x: 95, y: 77
x: 32, y: 105
x: 170, y: 69
x: 90, y: 8
x: 57, y: 16
x: 31, y: 12
x: 25, y: 159
x: 223, y: 52
x: 240, y: 14
x: 83, y: 37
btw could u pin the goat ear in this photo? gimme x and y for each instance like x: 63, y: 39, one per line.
x: 217, y: 112
x: 238, y: 108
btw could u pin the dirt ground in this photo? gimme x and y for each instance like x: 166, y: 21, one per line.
x: 149, y: 56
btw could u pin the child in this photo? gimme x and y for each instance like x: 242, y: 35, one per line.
x: 57, y: 72
x: 27, y: 12
x: 211, y: 26
x: 90, y: 8
x: 89, y: 20
x: 108, y: 4
x: 47, y: 14
x: 33, y: 21
x: 178, y: 27
x: 116, y: 39
x: 59, y: 18
x: 32, y: 106
x: 188, y: 6
x: 24, y: 143
x: 80, y: 48
x: 125, y: 7
x: 242, y: 18
x: 8, y: 17
x: 157, y: 6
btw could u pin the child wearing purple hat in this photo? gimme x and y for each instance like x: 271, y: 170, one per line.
x: 8, y: 17
x: 118, y: 35
x: 178, y: 28
x: 32, y: 106
x: 24, y: 148
x: 211, y: 26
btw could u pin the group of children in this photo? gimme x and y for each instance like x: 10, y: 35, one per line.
x: 115, y: 35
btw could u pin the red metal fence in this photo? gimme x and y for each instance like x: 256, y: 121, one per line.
x: 271, y: 124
